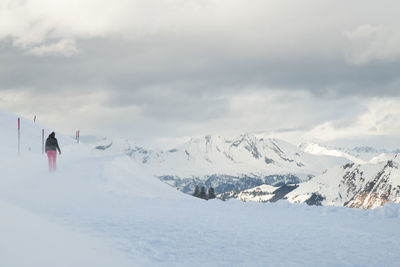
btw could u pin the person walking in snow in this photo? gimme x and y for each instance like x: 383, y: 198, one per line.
x: 51, y: 151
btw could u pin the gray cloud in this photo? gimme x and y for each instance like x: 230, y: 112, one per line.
x: 129, y: 66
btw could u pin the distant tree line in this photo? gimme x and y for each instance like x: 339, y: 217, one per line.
x: 202, y: 193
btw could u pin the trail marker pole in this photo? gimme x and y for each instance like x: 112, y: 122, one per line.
x: 42, y: 141
x: 19, y: 136
x: 77, y: 136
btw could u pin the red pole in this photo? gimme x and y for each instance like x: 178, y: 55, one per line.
x: 78, y: 135
x: 19, y: 136
x: 42, y: 141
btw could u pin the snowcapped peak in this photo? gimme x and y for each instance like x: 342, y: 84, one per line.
x: 317, y: 149
x: 381, y: 157
x: 244, y: 139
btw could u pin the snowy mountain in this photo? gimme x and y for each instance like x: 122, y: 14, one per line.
x: 358, y: 155
x: 365, y: 186
x: 317, y: 149
x: 237, y: 164
x: 356, y: 186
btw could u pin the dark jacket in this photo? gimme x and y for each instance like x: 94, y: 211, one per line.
x: 52, y: 144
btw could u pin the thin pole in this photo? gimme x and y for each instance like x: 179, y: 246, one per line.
x: 42, y: 141
x: 19, y: 136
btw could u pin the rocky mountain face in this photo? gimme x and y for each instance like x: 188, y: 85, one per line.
x: 356, y: 186
x: 244, y: 162
x: 365, y: 186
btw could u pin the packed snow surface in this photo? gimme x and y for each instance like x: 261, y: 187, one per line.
x: 107, y: 211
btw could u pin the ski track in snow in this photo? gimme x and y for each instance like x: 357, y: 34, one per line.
x: 110, y: 207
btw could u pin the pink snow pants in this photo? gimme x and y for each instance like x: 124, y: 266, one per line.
x: 52, y: 157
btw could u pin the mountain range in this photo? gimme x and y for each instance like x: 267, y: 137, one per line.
x: 254, y: 168
x: 227, y: 164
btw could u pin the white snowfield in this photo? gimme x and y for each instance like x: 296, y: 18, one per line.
x: 107, y: 211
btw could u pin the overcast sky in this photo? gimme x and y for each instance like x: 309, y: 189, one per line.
x: 161, y: 71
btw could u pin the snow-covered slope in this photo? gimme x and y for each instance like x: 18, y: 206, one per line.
x: 105, y: 210
x: 358, y: 186
x: 242, y: 163
x: 30, y: 240
x: 35, y: 204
